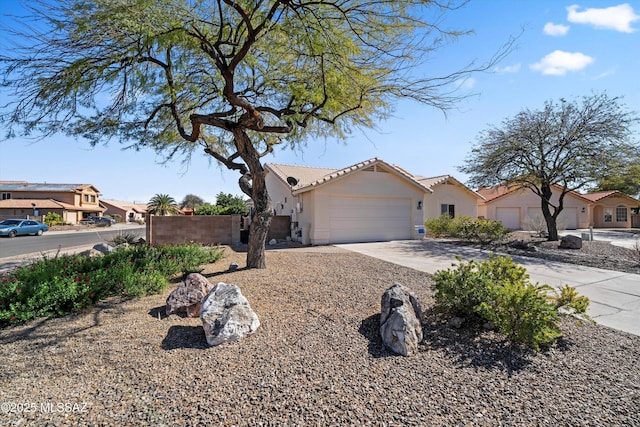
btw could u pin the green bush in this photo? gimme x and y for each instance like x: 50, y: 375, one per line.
x: 498, y: 290
x: 64, y: 284
x: 440, y: 226
x: 568, y: 296
x: 52, y: 218
x: 461, y: 290
x: 466, y: 228
x: 521, y: 311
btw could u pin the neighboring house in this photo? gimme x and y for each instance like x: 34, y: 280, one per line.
x: 72, y: 202
x: 128, y: 211
x: 519, y: 208
x: 613, y: 209
x: 370, y: 201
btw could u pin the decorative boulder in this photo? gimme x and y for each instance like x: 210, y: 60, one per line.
x: 400, y: 325
x: 186, y: 298
x: 571, y: 242
x: 103, y: 248
x: 226, y: 315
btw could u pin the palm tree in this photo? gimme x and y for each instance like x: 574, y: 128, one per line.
x: 163, y: 205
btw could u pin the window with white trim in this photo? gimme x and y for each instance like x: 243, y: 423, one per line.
x: 621, y: 213
x: 6, y: 196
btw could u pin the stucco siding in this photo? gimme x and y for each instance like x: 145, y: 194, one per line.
x: 464, y: 201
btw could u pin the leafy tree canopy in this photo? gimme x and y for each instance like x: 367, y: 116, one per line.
x: 231, y: 78
x: 191, y: 201
x: 569, y: 143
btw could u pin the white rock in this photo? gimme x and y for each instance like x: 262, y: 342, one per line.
x: 226, y: 315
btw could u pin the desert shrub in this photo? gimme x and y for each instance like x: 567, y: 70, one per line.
x: 63, y: 284
x: 466, y: 228
x: 568, y: 296
x: 439, y: 226
x: 536, y: 224
x: 498, y: 290
x: 522, y: 312
x: 461, y: 290
x: 52, y: 218
x: 124, y: 238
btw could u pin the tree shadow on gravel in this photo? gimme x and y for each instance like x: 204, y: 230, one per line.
x: 180, y: 336
x: 370, y: 329
x: 474, y: 347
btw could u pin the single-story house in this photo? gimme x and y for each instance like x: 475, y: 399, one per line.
x: 369, y: 201
x: 613, y: 209
x: 519, y: 208
x: 73, y: 202
x: 127, y: 211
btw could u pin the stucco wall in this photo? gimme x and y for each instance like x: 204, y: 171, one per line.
x: 465, y: 202
x: 612, y: 202
x: 205, y: 229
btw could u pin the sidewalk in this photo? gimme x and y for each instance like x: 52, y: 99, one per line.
x: 614, y: 296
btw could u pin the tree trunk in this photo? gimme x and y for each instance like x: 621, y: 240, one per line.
x: 261, y: 219
x: 550, y: 219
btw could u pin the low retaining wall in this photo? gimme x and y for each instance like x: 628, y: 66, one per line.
x: 205, y: 229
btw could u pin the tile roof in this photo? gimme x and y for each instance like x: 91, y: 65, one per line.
x: 309, y: 178
x: 599, y: 195
x: 138, y: 207
x: 40, y: 204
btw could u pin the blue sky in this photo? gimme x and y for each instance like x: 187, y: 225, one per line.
x: 565, y: 49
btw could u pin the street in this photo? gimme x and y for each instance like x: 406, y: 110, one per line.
x: 51, y: 240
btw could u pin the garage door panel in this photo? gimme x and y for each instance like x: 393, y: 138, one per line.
x: 369, y: 219
x: 509, y: 217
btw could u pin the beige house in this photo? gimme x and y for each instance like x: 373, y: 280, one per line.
x: 369, y: 201
x: 519, y: 208
x: 127, y: 211
x: 613, y: 209
x: 72, y: 202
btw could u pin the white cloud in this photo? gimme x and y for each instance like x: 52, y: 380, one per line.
x: 552, y: 29
x: 558, y: 63
x: 617, y: 18
x: 508, y: 69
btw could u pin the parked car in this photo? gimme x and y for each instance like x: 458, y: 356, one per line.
x: 100, y: 221
x: 20, y: 227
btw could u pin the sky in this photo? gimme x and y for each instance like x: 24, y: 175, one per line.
x: 564, y: 50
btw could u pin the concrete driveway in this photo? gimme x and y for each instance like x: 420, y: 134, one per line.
x: 615, y: 296
x: 627, y: 238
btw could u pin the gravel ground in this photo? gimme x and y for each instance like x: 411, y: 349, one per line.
x: 317, y: 359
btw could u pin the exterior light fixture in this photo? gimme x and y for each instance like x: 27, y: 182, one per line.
x: 420, y: 205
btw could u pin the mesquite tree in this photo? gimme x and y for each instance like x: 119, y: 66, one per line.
x: 570, y: 144
x: 230, y: 78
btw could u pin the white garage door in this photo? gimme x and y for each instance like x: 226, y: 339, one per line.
x: 509, y: 217
x: 369, y: 219
x: 568, y: 219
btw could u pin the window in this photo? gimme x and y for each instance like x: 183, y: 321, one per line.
x: 6, y: 196
x: 448, y: 209
x: 608, y: 214
x: 86, y: 198
x: 93, y: 199
x: 621, y: 214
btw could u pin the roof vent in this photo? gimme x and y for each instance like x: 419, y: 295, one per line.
x: 292, y: 181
